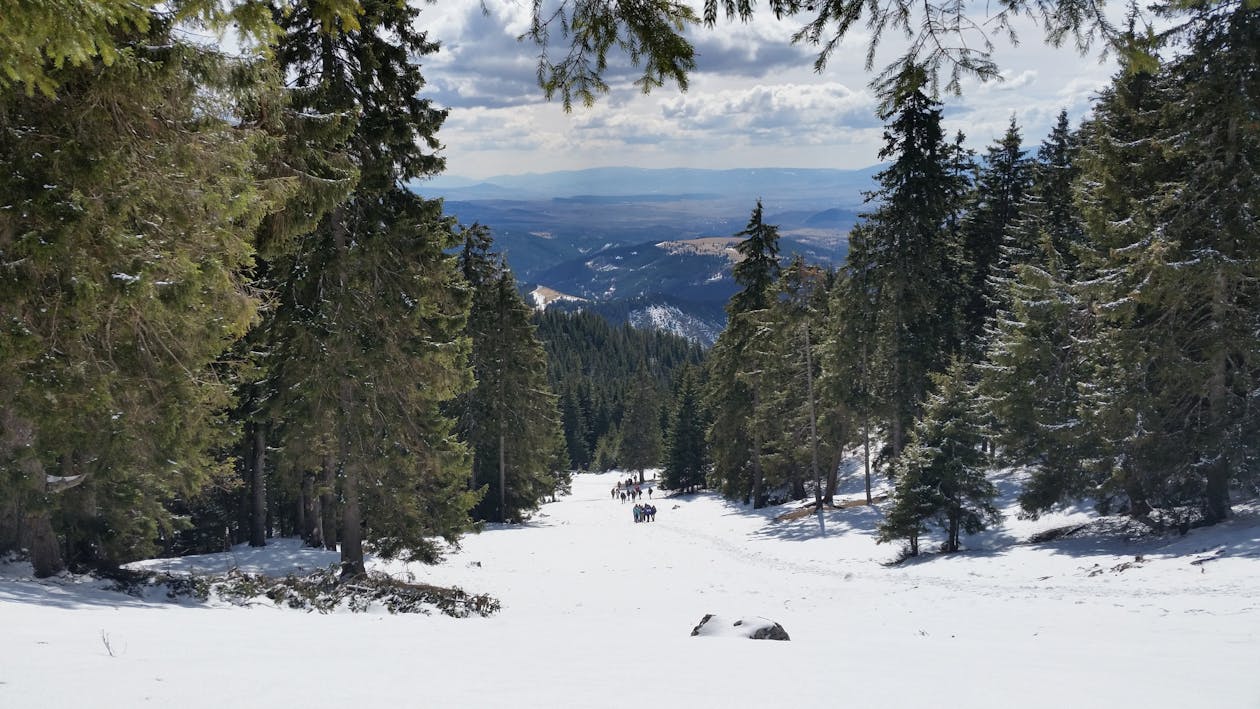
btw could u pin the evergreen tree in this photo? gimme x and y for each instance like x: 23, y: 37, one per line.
x: 594, y: 367
x: 788, y: 409
x: 372, y: 313
x: 1172, y: 199
x: 686, y: 456
x: 907, y: 257
x: 510, y: 419
x: 132, y: 199
x: 1030, y: 379
x: 941, y: 475
x: 734, y: 389
x: 995, y: 205
x: 640, y: 445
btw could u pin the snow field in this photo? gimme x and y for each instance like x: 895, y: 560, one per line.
x: 597, y: 612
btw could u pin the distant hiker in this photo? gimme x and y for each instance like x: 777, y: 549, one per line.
x: 638, y: 513
x: 614, y: 493
x: 649, y: 493
x: 623, y: 497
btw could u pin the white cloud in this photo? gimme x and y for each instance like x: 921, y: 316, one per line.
x: 754, y: 99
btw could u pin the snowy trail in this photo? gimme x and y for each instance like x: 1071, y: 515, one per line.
x: 597, y: 612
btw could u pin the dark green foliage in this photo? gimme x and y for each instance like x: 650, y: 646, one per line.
x: 1029, y: 385
x: 941, y: 474
x: 905, y: 264
x: 509, y: 419
x: 640, y: 445
x: 1171, y: 197
x: 370, y: 324
x: 686, y: 457
x: 734, y: 389
x: 129, y: 206
x: 792, y: 452
x: 594, y: 366
x: 993, y: 209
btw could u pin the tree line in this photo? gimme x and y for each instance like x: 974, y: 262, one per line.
x: 224, y: 314
x: 1088, y: 311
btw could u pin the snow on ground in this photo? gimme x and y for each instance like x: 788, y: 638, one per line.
x: 598, y: 610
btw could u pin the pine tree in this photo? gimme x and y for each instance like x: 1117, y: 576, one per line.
x: 734, y: 390
x: 1172, y: 198
x: 685, y: 459
x: 788, y: 409
x: 640, y: 445
x: 372, y: 311
x: 127, y: 243
x: 994, y: 208
x: 906, y: 261
x: 1033, y: 369
x: 510, y: 419
x: 941, y: 478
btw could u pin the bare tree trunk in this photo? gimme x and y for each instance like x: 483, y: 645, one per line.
x: 328, y: 502
x: 502, y: 476
x: 758, y: 493
x: 813, y: 421
x: 312, y: 525
x: 1216, y: 492
x: 351, y: 525
x: 258, y: 478
x: 866, y: 453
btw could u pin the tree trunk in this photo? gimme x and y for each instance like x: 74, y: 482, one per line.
x: 866, y: 454
x: 1216, y: 506
x: 813, y: 421
x: 258, y: 478
x: 502, y: 476
x: 328, y: 503
x: 351, y: 525
x: 758, y: 493
x: 41, y: 541
x: 311, y: 524
x: 833, y: 475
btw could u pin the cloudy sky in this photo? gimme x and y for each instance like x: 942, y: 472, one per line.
x: 754, y: 100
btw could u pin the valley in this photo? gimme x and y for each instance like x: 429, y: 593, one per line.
x: 651, y: 247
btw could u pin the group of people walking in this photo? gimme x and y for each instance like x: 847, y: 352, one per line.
x: 645, y: 513
x: 628, y: 489
x: 631, y: 491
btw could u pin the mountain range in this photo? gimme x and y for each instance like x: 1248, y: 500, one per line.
x: 651, y: 246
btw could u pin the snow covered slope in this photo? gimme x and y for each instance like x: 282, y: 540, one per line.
x: 598, y: 610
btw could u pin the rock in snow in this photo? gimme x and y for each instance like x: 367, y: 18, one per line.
x: 753, y: 627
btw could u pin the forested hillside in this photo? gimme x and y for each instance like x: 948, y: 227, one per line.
x: 225, y: 315
x: 598, y: 370
x: 1085, y: 309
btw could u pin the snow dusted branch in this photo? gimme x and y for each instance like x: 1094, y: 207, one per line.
x: 60, y: 483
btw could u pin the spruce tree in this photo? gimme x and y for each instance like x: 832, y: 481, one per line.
x: 1175, y: 315
x: 372, y: 312
x: 734, y: 389
x: 941, y: 477
x: 993, y: 209
x: 1030, y: 379
x: 510, y: 419
x: 686, y: 457
x: 908, y: 258
x: 132, y: 199
x: 788, y: 409
x: 640, y: 445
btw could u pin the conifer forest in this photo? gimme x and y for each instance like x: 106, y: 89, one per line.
x: 226, y: 316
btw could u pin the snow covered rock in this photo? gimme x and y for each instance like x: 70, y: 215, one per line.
x: 752, y: 627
